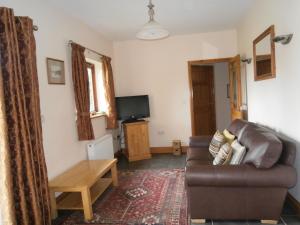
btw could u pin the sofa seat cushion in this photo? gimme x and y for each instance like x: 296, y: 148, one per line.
x: 198, y: 154
x: 263, y: 147
x: 196, y: 163
x: 243, y: 175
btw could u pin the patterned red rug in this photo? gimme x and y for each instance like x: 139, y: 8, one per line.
x: 145, y: 197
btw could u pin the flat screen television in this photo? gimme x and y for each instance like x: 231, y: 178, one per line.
x: 132, y: 108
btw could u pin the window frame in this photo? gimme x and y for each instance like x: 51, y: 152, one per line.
x: 95, y: 94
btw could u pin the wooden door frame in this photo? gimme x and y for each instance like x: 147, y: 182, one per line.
x: 203, y: 63
x: 239, y: 88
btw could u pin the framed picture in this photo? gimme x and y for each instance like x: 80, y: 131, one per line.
x: 56, y: 71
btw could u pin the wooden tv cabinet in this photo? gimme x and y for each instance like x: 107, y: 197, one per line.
x: 136, y: 141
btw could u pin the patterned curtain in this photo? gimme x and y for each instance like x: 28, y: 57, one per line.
x: 108, y: 81
x: 25, y: 185
x: 81, y: 90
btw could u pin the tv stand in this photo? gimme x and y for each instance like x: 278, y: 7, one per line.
x: 132, y: 120
x: 136, y: 140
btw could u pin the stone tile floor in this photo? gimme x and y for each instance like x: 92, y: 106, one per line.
x: 160, y: 161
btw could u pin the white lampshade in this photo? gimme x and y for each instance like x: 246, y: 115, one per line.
x: 152, y: 31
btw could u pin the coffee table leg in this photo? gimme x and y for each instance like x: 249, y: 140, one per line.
x: 53, y: 205
x: 114, y: 175
x: 87, y: 204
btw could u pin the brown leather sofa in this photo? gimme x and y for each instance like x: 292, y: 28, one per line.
x: 253, y: 190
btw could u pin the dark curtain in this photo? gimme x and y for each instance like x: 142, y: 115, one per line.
x: 81, y: 90
x: 108, y: 81
x: 21, y: 122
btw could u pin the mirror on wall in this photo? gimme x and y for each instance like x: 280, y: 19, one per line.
x: 264, y: 55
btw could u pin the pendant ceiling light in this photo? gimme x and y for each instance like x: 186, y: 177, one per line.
x: 152, y: 30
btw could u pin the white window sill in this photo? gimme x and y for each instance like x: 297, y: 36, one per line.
x: 96, y: 115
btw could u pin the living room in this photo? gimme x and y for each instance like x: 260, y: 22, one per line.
x: 196, y: 33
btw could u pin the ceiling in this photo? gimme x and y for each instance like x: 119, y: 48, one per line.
x: 121, y: 19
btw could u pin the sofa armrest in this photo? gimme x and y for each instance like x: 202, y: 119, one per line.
x: 200, y: 141
x: 240, y: 176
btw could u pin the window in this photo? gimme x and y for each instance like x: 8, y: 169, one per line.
x: 98, y: 104
x: 92, y: 87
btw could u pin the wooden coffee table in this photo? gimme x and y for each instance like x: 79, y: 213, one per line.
x: 82, y: 185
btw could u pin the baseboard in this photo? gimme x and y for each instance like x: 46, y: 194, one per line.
x: 165, y: 150
x: 161, y: 150
x: 293, y: 203
x: 157, y: 150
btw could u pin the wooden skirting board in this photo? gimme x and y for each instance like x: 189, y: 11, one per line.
x: 165, y: 150
x: 293, y: 203
x: 156, y: 150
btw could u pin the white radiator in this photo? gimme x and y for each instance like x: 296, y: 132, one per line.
x: 101, y: 148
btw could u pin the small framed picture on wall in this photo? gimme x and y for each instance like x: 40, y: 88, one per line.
x: 56, y: 71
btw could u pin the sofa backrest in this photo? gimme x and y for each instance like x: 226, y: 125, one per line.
x: 284, y: 153
x: 289, y: 148
x: 263, y: 147
x: 236, y: 126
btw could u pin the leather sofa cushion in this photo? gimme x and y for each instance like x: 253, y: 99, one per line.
x: 197, y: 163
x: 263, y: 147
x: 201, y: 154
x: 236, y: 126
x: 199, y: 174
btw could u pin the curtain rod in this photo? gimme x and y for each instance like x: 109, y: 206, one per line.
x: 70, y: 42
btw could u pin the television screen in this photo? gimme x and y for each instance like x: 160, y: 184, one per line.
x: 132, y: 107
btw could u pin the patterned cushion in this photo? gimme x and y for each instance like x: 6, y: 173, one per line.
x: 229, y: 136
x: 239, y: 152
x: 224, y: 155
x: 216, y: 143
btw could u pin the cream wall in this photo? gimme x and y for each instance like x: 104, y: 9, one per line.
x: 62, y: 149
x: 221, y: 77
x: 159, y: 69
x: 275, y: 102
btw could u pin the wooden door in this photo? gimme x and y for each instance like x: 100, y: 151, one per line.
x: 235, y: 88
x: 204, y: 115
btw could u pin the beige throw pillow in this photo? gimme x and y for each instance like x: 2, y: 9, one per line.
x: 224, y: 155
x: 229, y: 136
x: 239, y: 153
x: 216, y: 143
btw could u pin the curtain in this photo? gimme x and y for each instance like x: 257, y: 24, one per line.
x: 26, y: 183
x: 108, y: 81
x: 81, y: 90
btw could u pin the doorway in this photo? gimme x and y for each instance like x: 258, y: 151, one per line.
x: 215, y: 94
x: 202, y: 77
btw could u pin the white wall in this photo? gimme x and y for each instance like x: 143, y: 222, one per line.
x: 221, y: 77
x: 62, y: 148
x: 275, y: 102
x: 160, y: 69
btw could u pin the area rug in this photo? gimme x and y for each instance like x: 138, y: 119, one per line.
x: 143, y: 197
